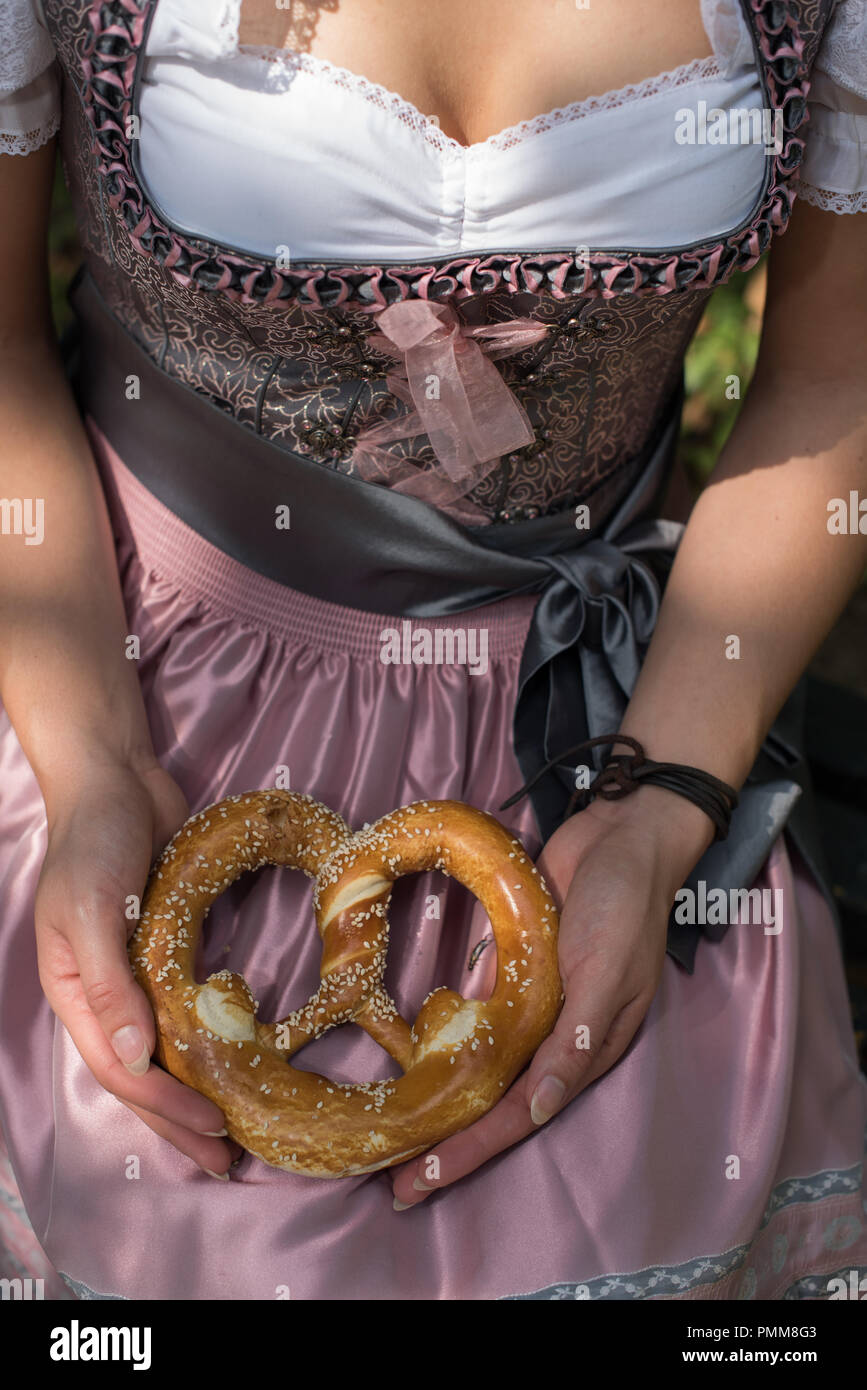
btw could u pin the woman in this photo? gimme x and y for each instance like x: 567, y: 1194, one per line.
x: 269, y: 233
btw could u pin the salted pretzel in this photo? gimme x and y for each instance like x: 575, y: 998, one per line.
x: 459, y: 1055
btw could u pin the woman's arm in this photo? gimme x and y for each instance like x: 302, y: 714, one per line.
x: 66, y: 686
x: 72, y: 696
x: 757, y: 562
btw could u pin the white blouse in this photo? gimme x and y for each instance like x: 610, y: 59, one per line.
x: 281, y: 153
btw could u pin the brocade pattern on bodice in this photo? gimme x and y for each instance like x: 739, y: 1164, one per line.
x: 286, y: 351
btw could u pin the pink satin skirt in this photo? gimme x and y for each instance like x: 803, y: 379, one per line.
x: 631, y: 1192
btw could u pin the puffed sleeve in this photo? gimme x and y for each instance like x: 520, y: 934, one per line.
x: 834, y: 170
x: 29, y: 80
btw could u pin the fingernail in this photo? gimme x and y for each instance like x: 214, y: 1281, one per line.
x: 547, y: 1099
x: 215, y: 1133
x: 221, y: 1177
x: 402, y: 1206
x: 131, y: 1048
x: 421, y: 1186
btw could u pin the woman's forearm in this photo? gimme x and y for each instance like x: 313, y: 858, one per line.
x: 65, y: 681
x: 757, y: 562
x: 759, y: 579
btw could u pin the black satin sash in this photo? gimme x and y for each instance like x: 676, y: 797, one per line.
x: 367, y: 547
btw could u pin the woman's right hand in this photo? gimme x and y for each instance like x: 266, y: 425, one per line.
x: 103, y: 834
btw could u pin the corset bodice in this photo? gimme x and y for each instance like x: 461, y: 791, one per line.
x: 288, y: 351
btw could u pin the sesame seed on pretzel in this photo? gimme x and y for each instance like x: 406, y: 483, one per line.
x: 459, y: 1055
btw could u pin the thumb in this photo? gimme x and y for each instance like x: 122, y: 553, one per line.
x: 98, y: 940
x: 568, y: 1057
x: 115, y: 1000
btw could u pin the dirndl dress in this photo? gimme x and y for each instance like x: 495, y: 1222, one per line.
x: 267, y: 384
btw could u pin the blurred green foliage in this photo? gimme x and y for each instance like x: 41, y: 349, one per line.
x: 725, y: 343
x: 64, y: 253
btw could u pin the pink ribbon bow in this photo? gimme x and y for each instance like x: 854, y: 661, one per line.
x: 454, y: 394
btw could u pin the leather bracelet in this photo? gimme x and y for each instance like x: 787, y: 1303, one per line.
x: 625, y: 773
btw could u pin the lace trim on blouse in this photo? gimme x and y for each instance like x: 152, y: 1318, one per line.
x: 26, y: 141
x: 30, y: 116
x: 833, y: 202
x: 287, y: 63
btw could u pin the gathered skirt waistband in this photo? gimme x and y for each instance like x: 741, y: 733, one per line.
x: 170, y: 548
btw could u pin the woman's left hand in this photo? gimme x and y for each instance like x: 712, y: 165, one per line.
x: 614, y: 869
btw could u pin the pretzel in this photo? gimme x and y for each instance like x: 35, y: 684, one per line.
x: 458, y: 1057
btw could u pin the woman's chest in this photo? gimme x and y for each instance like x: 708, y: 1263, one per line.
x: 275, y: 148
x: 482, y: 66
